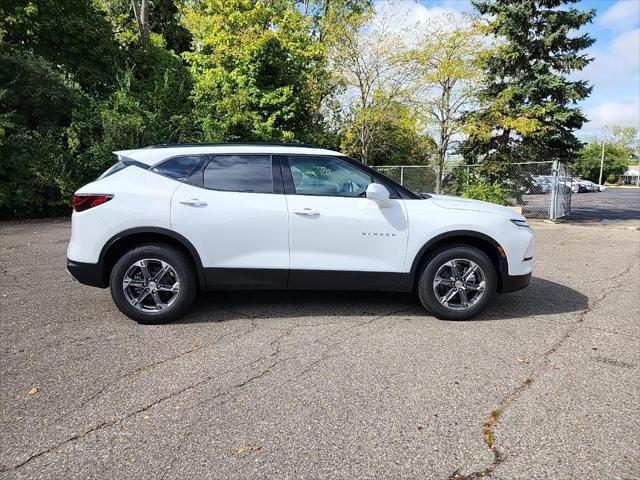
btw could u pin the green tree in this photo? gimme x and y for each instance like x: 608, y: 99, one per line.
x: 72, y: 35
x: 399, y: 137
x: 37, y: 104
x: 255, y: 70
x: 528, y: 105
x: 63, y: 110
x: 450, y: 68
x: 376, y: 67
x: 619, y: 151
x: 626, y: 137
x: 149, y: 105
x: 163, y: 19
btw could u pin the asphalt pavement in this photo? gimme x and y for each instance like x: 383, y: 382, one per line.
x: 614, y: 204
x: 284, y: 385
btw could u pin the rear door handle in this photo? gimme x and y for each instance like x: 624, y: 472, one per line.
x: 307, y: 212
x: 193, y: 202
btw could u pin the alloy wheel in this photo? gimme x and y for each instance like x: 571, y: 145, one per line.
x: 459, y: 284
x: 151, y: 285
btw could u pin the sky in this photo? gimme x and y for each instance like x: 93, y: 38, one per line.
x: 614, y: 72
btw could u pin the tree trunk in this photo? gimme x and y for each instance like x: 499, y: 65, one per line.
x: 504, y: 144
x: 445, y: 118
x: 325, y: 11
x: 364, y: 151
x: 141, y: 12
x: 440, y: 154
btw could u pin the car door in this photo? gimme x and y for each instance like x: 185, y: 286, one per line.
x: 339, y: 239
x: 234, y: 213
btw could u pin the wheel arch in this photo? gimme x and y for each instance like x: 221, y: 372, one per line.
x: 128, y: 239
x: 479, y: 240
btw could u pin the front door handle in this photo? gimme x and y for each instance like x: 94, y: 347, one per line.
x: 307, y: 212
x: 193, y: 202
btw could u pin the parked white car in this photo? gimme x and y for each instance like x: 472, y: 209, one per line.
x: 540, y: 184
x: 589, y: 186
x: 575, y: 186
x: 166, y: 221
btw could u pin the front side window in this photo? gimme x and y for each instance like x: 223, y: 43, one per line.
x: 315, y: 175
x: 180, y: 168
x: 239, y: 173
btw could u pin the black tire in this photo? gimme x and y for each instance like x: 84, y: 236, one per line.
x: 182, y: 272
x: 439, y: 259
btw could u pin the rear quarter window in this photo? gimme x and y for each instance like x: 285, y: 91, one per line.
x: 184, y: 169
x: 121, y: 165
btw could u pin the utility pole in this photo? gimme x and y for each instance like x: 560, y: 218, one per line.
x: 604, y: 135
x: 637, y: 149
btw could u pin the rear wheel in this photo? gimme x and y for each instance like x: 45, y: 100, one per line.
x: 457, y: 283
x: 153, y: 284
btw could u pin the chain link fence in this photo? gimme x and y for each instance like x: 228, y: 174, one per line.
x: 417, y: 178
x: 541, y: 189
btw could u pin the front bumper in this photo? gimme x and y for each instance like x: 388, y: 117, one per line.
x: 513, y: 283
x: 87, y: 273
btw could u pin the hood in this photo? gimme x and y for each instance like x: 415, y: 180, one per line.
x: 459, y: 203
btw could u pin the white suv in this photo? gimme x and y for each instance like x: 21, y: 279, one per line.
x: 168, y: 220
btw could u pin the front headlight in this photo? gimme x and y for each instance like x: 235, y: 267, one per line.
x: 520, y: 223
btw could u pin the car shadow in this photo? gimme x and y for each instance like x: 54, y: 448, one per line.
x: 542, y: 297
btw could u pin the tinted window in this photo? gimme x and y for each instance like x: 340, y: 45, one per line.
x: 180, y: 168
x: 239, y: 173
x: 121, y: 165
x: 328, y: 176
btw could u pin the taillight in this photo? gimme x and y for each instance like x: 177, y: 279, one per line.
x: 82, y: 202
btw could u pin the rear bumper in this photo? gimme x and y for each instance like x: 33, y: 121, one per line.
x: 87, y: 273
x: 513, y: 283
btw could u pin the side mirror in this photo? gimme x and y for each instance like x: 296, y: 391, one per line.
x: 377, y: 192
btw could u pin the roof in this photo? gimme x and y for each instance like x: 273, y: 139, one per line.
x: 156, y: 153
x: 225, y: 144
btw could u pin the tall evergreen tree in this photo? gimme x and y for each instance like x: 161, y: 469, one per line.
x: 528, y: 104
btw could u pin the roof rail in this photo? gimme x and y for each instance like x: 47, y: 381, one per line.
x: 257, y: 144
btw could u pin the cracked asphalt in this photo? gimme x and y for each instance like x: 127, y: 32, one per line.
x: 544, y: 385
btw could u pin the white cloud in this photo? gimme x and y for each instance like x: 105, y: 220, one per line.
x: 612, y: 114
x: 614, y: 72
x: 459, y: 5
x: 615, y: 66
x: 409, y: 14
x: 624, y: 14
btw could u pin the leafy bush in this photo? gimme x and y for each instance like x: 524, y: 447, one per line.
x: 480, y: 189
x: 36, y: 103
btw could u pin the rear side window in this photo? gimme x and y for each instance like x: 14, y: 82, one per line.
x: 180, y: 168
x: 239, y: 173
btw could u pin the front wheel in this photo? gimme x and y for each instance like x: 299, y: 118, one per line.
x: 153, y: 284
x: 457, y: 283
